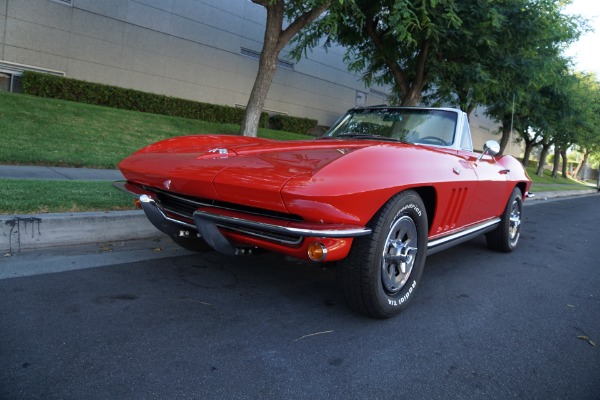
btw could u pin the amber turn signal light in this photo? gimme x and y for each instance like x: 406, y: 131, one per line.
x: 317, y: 251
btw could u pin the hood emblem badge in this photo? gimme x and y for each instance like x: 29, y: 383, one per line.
x: 218, y: 151
x: 167, y: 184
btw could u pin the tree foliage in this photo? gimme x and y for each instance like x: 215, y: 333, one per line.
x: 503, y: 55
x: 539, y: 32
x: 389, y: 42
x: 587, y: 120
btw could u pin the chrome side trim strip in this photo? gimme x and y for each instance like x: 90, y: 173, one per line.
x: 462, y: 236
x: 285, y: 230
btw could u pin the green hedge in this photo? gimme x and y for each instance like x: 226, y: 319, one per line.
x: 304, y: 126
x: 57, y: 87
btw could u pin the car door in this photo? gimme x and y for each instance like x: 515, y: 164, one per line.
x: 493, y: 186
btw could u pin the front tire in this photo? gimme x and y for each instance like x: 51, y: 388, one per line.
x: 506, y: 236
x: 379, y: 276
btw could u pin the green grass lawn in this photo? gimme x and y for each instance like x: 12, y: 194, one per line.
x: 30, y: 196
x: 547, y: 183
x: 39, y: 131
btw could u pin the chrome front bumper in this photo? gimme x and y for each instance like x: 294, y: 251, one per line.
x: 160, y: 220
x: 207, y: 226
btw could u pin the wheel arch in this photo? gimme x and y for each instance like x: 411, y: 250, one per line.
x: 429, y: 197
x: 522, y: 187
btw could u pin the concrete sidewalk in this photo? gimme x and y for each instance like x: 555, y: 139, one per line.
x: 25, y: 232
x: 40, y: 172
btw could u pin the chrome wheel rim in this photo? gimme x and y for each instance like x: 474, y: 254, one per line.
x: 399, y: 254
x: 514, y: 225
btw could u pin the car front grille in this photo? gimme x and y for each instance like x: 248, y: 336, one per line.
x: 182, y: 207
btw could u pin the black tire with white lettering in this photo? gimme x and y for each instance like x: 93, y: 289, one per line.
x: 506, y: 236
x: 380, y: 275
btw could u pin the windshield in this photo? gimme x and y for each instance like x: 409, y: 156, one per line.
x: 419, y: 126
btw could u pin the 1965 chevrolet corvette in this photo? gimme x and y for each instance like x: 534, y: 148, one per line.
x: 378, y: 192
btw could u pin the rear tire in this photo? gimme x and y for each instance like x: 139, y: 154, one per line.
x: 506, y: 236
x: 380, y: 275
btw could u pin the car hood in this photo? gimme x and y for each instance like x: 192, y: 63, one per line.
x: 241, y: 170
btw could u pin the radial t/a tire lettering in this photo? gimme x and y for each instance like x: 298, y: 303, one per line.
x: 380, y: 275
x: 506, y: 236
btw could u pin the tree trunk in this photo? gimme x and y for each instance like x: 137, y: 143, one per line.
x: 267, y: 65
x: 260, y: 90
x: 470, y: 109
x: 565, y: 162
x: 542, y: 163
x: 529, y: 146
x: 411, y: 99
x: 556, y: 161
x: 580, y: 167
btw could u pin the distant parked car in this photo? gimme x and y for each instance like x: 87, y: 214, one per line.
x: 384, y: 187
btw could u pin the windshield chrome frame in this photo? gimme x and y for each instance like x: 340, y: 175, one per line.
x: 461, y: 119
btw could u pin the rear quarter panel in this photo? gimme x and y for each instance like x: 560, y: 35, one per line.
x: 497, y: 176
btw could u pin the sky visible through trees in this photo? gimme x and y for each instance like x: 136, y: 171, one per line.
x: 584, y: 52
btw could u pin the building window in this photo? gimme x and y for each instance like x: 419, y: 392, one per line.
x: 11, y: 75
x: 256, y: 55
x: 10, y: 82
x: 360, y: 99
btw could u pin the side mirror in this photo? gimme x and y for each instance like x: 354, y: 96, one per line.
x: 491, y: 147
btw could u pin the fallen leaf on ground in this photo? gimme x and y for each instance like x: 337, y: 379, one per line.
x: 587, y: 339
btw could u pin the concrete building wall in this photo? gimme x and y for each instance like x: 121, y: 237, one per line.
x: 483, y: 128
x: 183, y: 48
x: 3, y: 5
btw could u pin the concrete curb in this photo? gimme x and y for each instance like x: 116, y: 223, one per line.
x: 26, y: 232
x: 564, y: 193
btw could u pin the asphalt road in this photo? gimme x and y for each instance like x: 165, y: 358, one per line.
x: 148, y: 321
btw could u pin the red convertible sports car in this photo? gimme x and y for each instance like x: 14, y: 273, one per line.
x: 384, y: 187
